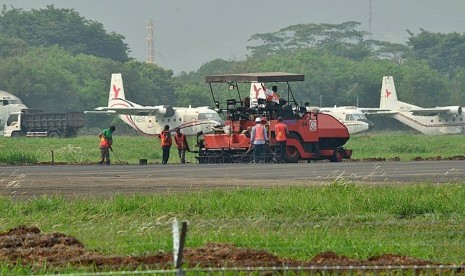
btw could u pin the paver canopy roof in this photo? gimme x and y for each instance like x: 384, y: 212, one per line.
x: 256, y: 77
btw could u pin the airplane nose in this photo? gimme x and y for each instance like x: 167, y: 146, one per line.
x: 370, y: 123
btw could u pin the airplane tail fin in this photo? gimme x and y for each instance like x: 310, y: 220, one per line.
x: 256, y: 92
x: 388, y: 99
x: 259, y: 91
x: 116, y: 88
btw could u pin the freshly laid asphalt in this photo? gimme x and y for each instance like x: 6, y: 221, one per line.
x: 24, y: 182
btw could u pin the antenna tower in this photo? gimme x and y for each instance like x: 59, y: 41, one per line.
x: 150, y: 43
x: 370, y: 19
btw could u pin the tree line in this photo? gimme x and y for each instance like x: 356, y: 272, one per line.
x: 56, y: 60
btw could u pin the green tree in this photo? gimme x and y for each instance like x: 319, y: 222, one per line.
x: 11, y: 47
x: 340, y: 39
x: 423, y: 86
x: 148, y: 84
x: 393, y: 51
x: 38, y: 79
x: 444, y: 52
x: 64, y: 27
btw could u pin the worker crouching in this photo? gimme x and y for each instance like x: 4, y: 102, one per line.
x: 106, y: 141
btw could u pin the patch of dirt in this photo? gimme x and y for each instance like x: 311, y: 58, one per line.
x: 31, y: 247
x: 438, y: 158
x: 418, y: 158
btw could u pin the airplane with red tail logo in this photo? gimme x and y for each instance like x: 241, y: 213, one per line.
x: 150, y: 120
x: 431, y: 121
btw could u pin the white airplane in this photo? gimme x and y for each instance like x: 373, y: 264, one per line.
x: 353, y: 118
x: 431, y: 121
x: 9, y: 104
x: 151, y: 120
x: 350, y: 116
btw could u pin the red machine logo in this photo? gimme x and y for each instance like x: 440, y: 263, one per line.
x: 313, y: 125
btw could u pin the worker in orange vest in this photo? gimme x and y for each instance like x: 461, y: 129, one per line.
x: 181, y: 143
x: 281, y: 133
x: 106, y: 141
x: 165, y: 138
x: 258, y: 138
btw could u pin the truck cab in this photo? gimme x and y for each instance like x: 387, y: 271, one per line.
x: 12, y: 125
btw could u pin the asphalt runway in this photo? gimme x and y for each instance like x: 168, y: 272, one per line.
x: 25, y: 182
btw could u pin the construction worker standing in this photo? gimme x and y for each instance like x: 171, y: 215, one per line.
x: 258, y: 138
x: 181, y: 143
x: 281, y: 132
x: 106, y: 141
x: 165, y: 137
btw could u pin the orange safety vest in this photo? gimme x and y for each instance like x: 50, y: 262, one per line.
x: 104, y: 142
x: 259, y: 136
x: 180, y: 140
x: 281, y: 131
x: 165, y: 137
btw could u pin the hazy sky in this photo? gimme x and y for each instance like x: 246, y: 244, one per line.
x: 189, y: 33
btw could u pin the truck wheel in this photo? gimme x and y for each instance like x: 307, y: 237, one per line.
x: 53, y: 134
x: 292, y: 155
x: 15, y: 134
x: 338, y: 155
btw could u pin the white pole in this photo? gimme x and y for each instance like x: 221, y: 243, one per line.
x: 175, y: 240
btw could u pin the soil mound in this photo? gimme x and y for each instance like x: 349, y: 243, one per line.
x: 31, y: 247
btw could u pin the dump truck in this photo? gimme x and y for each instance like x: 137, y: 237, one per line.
x: 31, y: 123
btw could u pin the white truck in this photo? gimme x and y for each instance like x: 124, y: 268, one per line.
x: 30, y: 123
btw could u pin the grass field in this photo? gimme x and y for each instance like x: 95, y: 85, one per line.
x: 423, y: 220
x: 406, y: 146
x: 82, y: 150
x: 132, y: 148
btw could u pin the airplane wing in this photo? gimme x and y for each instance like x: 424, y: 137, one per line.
x: 376, y: 111
x: 451, y: 110
x: 142, y: 110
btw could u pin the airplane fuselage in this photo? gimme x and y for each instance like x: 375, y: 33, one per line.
x: 433, y: 125
x: 151, y: 120
x: 356, y: 126
x: 351, y: 117
x: 438, y: 120
x: 189, y: 120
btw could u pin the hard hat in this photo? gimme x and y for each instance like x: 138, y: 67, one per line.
x: 258, y: 120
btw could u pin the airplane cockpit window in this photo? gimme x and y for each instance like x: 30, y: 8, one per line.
x: 350, y: 117
x: 360, y: 117
x: 209, y: 116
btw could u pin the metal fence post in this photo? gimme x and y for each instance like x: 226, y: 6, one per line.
x: 179, y: 240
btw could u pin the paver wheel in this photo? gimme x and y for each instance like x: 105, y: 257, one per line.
x: 292, y: 155
x: 338, y: 155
